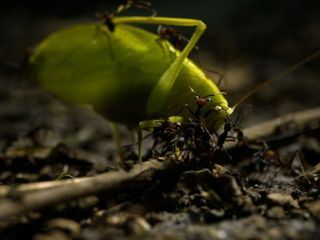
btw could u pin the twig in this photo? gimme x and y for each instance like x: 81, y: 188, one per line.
x: 266, y: 129
x: 24, y: 198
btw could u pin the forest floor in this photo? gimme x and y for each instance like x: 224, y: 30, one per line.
x: 60, y: 179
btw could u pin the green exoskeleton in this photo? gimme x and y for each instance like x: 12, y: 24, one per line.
x: 124, y: 74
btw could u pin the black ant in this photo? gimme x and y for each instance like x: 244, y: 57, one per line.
x: 173, y: 36
x: 223, y: 137
x: 229, y: 126
x: 107, y: 17
x: 178, y: 41
x: 201, y: 103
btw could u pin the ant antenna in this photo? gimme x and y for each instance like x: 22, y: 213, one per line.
x: 140, y: 4
x: 107, y: 17
x: 295, y: 67
x: 209, y: 95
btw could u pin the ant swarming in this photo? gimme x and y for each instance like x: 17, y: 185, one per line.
x: 191, y: 140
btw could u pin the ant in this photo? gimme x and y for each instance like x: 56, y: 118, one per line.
x: 224, y: 136
x: 107, y: 17
x: 178, y: 41
x: 173, y: 36
x: 201, y: 103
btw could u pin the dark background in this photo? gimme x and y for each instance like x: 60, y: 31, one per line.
x: 248, y: 41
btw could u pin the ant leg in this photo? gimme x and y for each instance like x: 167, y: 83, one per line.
x: 151, y: 124
x: 221, y: 77
x: 198, y: 61
x: 186, y: 106
x: 221, y: 149
x: 145, y: 125
x: 165, y: 44
x: 160, y: 42
x: 106, y: 35
x: 146, y: 6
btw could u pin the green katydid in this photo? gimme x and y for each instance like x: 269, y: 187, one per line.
x: 124, y: 75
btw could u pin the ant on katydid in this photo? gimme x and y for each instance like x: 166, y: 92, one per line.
x: 229, y: 126
x: 178, y: 40
x: 107, y: 17
x: 173, y: 36
x: 201, y: 102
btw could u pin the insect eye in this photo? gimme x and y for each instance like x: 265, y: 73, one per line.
x: 209, y: 99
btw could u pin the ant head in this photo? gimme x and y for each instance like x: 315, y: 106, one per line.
x: 214, y: 109
x: 201, y: 101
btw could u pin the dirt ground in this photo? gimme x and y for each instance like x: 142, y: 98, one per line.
x: 265, y: 190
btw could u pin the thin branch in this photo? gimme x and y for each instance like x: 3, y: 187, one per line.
x: 27, y: 198
x: 266, y: 129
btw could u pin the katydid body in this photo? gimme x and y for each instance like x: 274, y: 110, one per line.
x: 125, y: 74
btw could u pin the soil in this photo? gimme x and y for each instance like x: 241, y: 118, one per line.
x: 265, y: 189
